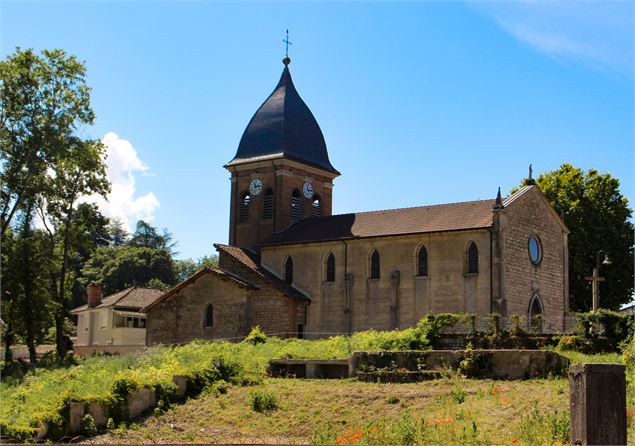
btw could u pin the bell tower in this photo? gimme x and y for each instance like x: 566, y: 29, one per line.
x: 281, y: 173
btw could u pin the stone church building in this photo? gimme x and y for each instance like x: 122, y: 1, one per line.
x: 294, y: 269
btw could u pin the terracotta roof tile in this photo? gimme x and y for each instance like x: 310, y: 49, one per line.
x: 422, y: 219
x: 131, y: 298
x: 252, y: 261
x: 193, y: 278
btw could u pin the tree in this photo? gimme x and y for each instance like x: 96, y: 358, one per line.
x: 117, y: 268
x: 43, y: 101
x: 147, y: 236
x: 598, y: 216
x: 118, y: 234
x: 185, y: 268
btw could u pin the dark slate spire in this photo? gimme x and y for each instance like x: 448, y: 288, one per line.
x: 284, y: 127
x: 499, y: 200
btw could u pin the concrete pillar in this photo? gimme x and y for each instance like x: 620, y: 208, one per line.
x: 597, y: 394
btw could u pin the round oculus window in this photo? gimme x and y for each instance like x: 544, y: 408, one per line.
x: 535, y: 250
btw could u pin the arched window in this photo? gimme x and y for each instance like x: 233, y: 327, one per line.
x: 267, y: 205
x: 209, y: 315
x: 535, y: 312
x: 296, y: 206
x: 288, y: 271
x: 422, y: 262
x: 330, y: 268
x: 316, y: 206
x: 243, y: 212
x: 472, y: 258
x: 374, y: 265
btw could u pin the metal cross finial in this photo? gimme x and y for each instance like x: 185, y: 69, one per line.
x: 287, y: 43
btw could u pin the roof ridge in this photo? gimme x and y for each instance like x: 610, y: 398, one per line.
x: 404, y: 208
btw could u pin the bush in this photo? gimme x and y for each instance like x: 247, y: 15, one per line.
x: 262, y: 401
x: 256, y: 336
x: 392, y: 399
x: 89, y: 428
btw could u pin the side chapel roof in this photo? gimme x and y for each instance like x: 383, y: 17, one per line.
x: 252, y: 261
x: 284, y: 127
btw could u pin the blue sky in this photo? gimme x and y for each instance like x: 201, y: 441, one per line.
x: 419, y: 102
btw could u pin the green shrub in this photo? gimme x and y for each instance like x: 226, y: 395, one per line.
x: 392, y: 399
x: 262, y: 401
x: 256, y: 336
x: 88, y: 426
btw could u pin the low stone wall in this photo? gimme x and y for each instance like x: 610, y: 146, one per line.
x: 502, y: 364
x: 309, y: 368
x: 87, y: 350
x: 138, y: 403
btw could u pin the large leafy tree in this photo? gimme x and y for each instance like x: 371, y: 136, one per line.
x: 43, y: 101
x: 598, y: 216
x: 44, y: 104
x: 120, y: 267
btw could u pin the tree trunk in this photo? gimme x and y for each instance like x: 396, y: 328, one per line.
x: 60, y: 314
x: 27, y: 302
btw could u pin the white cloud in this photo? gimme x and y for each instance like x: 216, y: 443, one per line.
x: 595, y: 33
x: 123, y: 162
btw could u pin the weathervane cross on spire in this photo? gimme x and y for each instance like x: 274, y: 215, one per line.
x: 287, y: 43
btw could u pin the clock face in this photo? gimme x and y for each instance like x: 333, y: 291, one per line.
x: 256, y: 186
x: 308, y: 190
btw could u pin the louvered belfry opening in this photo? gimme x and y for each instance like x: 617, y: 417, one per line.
x: 267, y: 205
x: 316, y: 207
x: 296, y: 206
x: 243, y: 213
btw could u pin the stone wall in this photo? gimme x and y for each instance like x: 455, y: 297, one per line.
x: 181, y: 318
x: 399, y: 298
x: 521, y: 279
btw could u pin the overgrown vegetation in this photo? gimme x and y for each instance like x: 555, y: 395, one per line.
x: 212, y: 367
x: 600, y: 331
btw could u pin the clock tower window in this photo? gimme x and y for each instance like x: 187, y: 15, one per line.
x: 267, y: 205
x: 243, y: 211
x: 296, y: 206
x: 316, y: 207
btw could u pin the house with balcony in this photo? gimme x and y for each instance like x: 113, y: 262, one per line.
x: 115, y: 323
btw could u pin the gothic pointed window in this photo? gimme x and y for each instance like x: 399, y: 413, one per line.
x: 472, y: 258
x: 296, y: 206
x: 535, y: 312
x: 288, y: 271
x: 243, y: 208
x: 267, y: 205
x: 330, y: 268
x: 316, y: 207
x: 209, y: 315
x: 422, y: 262
x: 374, y: 265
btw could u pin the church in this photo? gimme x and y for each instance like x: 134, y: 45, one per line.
x: 293, y: 268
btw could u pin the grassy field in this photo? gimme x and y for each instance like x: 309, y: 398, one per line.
x: 447, y: 411
x: 453, y: 410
